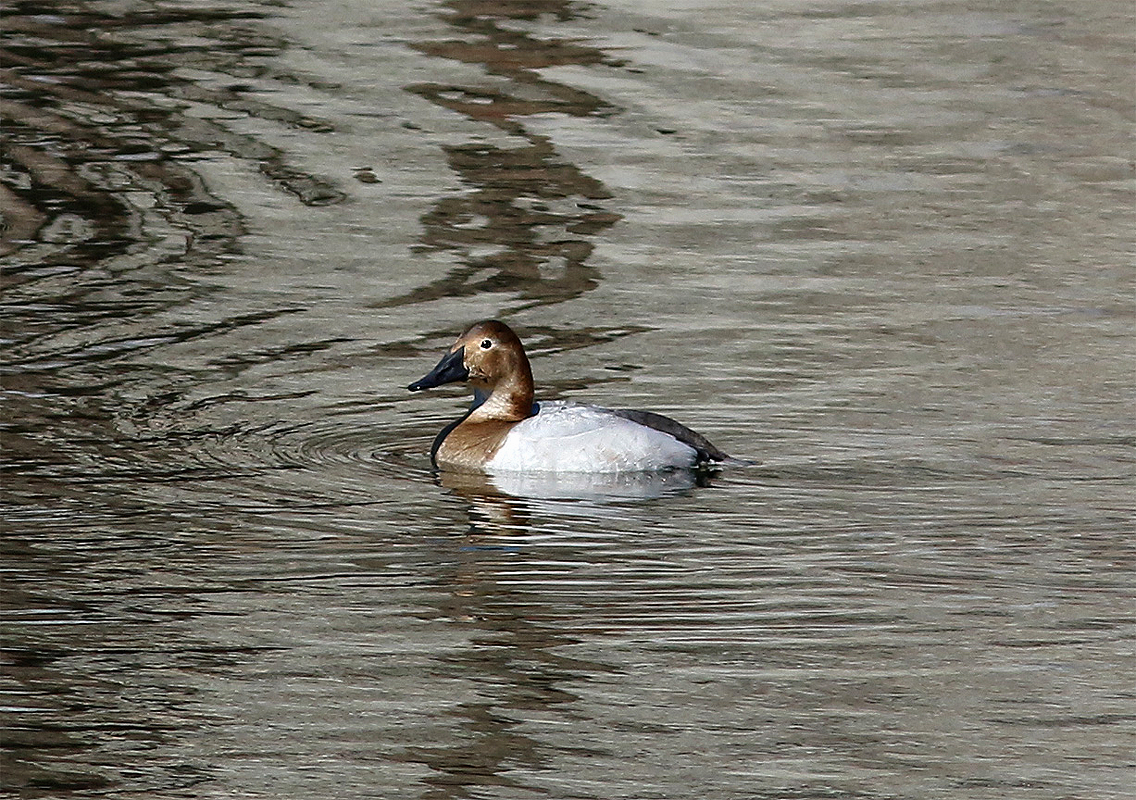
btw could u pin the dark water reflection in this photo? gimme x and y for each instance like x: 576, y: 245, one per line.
x: 534, y: 212
x: 882, y: 250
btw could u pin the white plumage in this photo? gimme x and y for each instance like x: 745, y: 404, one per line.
x: 569, y: 437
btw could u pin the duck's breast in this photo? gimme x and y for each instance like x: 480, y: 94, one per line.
x: 566, y: 437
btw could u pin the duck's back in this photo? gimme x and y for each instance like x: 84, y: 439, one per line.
x: 566, y: 437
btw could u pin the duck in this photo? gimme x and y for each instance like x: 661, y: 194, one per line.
x: 506, y: 431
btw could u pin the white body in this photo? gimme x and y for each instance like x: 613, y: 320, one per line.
x: 566, y: 437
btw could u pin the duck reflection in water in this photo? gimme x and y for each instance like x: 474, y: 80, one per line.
x: 502, y: 504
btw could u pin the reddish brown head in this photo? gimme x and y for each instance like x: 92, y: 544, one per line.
x: 491, y: 358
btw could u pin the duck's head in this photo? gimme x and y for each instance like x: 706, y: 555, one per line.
x: 491, y: 358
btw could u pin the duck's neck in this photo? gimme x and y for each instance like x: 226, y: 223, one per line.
x: 509, y: 402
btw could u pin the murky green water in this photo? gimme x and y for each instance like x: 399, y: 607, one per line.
x: 882, y: 250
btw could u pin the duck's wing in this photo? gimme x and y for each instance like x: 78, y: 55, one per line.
x: 706, y: 449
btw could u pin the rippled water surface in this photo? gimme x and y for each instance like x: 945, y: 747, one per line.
x: 882, y: 252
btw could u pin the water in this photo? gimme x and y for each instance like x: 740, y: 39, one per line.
x: 881, y: 250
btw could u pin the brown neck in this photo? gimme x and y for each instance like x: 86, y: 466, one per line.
x: 510, y: 401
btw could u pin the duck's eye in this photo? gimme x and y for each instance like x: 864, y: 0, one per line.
x: 486, y: 344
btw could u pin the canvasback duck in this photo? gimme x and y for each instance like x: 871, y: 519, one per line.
x: 505, y: 431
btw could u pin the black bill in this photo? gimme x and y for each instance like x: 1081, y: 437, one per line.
x: 448, y: 370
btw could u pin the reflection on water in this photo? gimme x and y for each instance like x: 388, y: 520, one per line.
x: 103, y: 206
x: 528, y: 224
x: 503, y: 504
x: 576, y: 485
x: 879, y: 249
